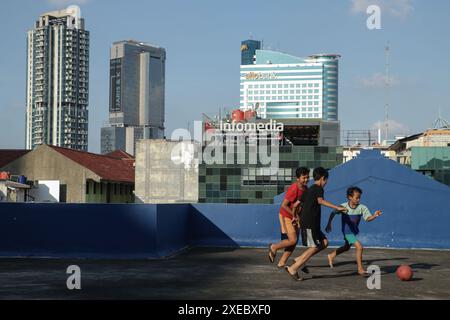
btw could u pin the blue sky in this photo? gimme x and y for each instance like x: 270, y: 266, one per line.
x: 202, y: 39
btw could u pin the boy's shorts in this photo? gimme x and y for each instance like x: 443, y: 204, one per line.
x: 287, y: 226
x: 350, y: 238
x: 312, y: 238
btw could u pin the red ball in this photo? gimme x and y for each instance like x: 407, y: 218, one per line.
x: 404, y: 273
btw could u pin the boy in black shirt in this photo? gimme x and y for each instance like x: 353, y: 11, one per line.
x: 312, y: 236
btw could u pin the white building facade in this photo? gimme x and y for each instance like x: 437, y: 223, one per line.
x: 281, y: 86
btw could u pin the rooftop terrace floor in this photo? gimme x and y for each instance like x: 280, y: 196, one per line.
x: 211, y: 273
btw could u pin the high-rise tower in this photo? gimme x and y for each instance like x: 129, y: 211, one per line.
x: 136, y: 99
x: 58, y: 81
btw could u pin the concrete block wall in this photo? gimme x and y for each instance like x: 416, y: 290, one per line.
x: 173, y: 177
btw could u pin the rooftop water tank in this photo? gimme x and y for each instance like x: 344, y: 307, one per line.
x: 238, y: 115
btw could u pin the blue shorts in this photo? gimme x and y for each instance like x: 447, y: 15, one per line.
x: 350, y: 238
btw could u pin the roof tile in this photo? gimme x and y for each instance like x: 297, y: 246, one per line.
x: 109, y: 168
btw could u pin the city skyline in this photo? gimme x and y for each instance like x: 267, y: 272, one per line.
x: 203, y: 61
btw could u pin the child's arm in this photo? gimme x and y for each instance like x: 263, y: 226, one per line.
x: 325, y: 203
x: 374, y: 216
x: 296, y: 209
x: 330, y: 219
x: 285, y: 206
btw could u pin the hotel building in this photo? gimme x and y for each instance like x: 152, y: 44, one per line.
x: 282, y: 86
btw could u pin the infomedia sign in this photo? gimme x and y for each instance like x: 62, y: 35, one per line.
x: 272, y: 126
x: 237, y: 143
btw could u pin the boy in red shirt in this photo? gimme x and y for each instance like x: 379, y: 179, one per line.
x: 288, y: 216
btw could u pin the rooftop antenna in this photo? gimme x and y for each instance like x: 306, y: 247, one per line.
x: 440, y: 122
x: 250, y: 36
x: 387, y: 85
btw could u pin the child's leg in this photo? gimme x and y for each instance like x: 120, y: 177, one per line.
x: 284, y: 258
x: 316, y: 241
x: 289, y: 229
x: 302, y: 259
x: 337, y: 252
x: 288, y: 251
x: 359, y: 254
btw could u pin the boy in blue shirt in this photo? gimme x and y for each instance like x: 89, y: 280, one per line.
x: 350, y: 223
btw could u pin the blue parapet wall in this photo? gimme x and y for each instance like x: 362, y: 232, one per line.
x: 234, y: 225
x: 172, y: 228
x: 93, y: 230
x: 78, y: 230
x: 416, y: 208
x: 416, y: 215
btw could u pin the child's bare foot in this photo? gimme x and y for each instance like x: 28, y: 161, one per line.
x: 281, y: 264
x: 363, y: 273
x: 330, y: 261
x: 294, y: 275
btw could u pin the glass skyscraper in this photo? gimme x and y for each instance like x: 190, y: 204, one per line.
x: 136, y: 95
x: 282, y: 86
x: 57, y: 91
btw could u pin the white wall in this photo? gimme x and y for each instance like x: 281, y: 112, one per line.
x: 3, y: 192
x: 46, y: 191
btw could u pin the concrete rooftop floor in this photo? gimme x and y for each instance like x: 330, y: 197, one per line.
x: 217, y: 273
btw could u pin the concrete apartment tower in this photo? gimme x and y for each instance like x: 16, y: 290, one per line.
x: 136, y: 96
x: 57, y: 91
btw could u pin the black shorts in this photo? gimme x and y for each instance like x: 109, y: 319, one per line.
x: 312, y: 238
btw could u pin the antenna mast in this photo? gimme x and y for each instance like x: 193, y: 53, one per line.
x: 387, y: 84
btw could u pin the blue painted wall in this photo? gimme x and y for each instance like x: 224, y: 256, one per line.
x: 234, y: 225
x: 78, y: 230
x: 171, y: 228
x: 416, y: 209
x: 416, y: 215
